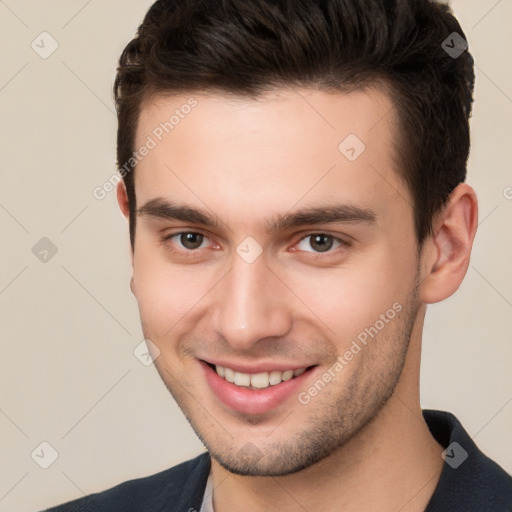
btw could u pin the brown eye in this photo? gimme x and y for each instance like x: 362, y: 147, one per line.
x: 188, y: 240
x: 319, y: 242
x: 191, y: 240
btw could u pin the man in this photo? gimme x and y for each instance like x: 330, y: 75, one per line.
x: 293, y: 177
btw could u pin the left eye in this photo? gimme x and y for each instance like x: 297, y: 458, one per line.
x: 319, y: 242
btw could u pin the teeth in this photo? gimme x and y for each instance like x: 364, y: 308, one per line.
x: 275, y: 378
x: 257, y: 380
x: 260, y: 380
x: 242, y: 379
x: 287, y: 375
x: 229, y: 374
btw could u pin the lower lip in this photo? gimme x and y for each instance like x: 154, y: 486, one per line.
x: 252, y: 401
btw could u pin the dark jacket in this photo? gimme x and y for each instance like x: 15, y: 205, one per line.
x: 469, y: 482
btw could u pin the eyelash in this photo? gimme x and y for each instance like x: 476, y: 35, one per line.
x: 311, y: 254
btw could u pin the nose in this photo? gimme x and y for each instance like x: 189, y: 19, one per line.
x: 251, y: 305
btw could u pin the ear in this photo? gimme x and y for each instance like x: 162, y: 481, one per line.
x: 122, y: 199
x: 447, y: 251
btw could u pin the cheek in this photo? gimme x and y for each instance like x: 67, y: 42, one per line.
x: 351, y: 298
x: 167, y: 295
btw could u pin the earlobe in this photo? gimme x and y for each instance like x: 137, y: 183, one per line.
x: 122, y: 199
x: 450, y: 247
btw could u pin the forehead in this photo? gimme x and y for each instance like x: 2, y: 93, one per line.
x: 253, y: 156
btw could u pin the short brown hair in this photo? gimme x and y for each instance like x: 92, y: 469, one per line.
x: 251, y: 46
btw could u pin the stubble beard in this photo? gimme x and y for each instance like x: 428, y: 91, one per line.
x: 336, y: 415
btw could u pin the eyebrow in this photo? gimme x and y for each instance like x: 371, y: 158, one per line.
x: 347, y: 213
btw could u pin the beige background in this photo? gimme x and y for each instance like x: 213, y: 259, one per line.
x: 69, y: 326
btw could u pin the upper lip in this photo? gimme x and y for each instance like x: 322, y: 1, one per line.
x: 258, y: 367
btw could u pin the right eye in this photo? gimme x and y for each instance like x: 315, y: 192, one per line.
x: 189, y: 240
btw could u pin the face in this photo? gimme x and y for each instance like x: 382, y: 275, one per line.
x: 275, y: 268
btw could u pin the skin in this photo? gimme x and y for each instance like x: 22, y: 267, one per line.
x: 361, y: 443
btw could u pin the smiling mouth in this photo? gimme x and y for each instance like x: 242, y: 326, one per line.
x: 259, y: 380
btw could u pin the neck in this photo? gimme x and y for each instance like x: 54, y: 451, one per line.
x: 393, y: 463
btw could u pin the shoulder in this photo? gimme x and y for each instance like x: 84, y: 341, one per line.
x: 182, y: 486
x: 470, y: 480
